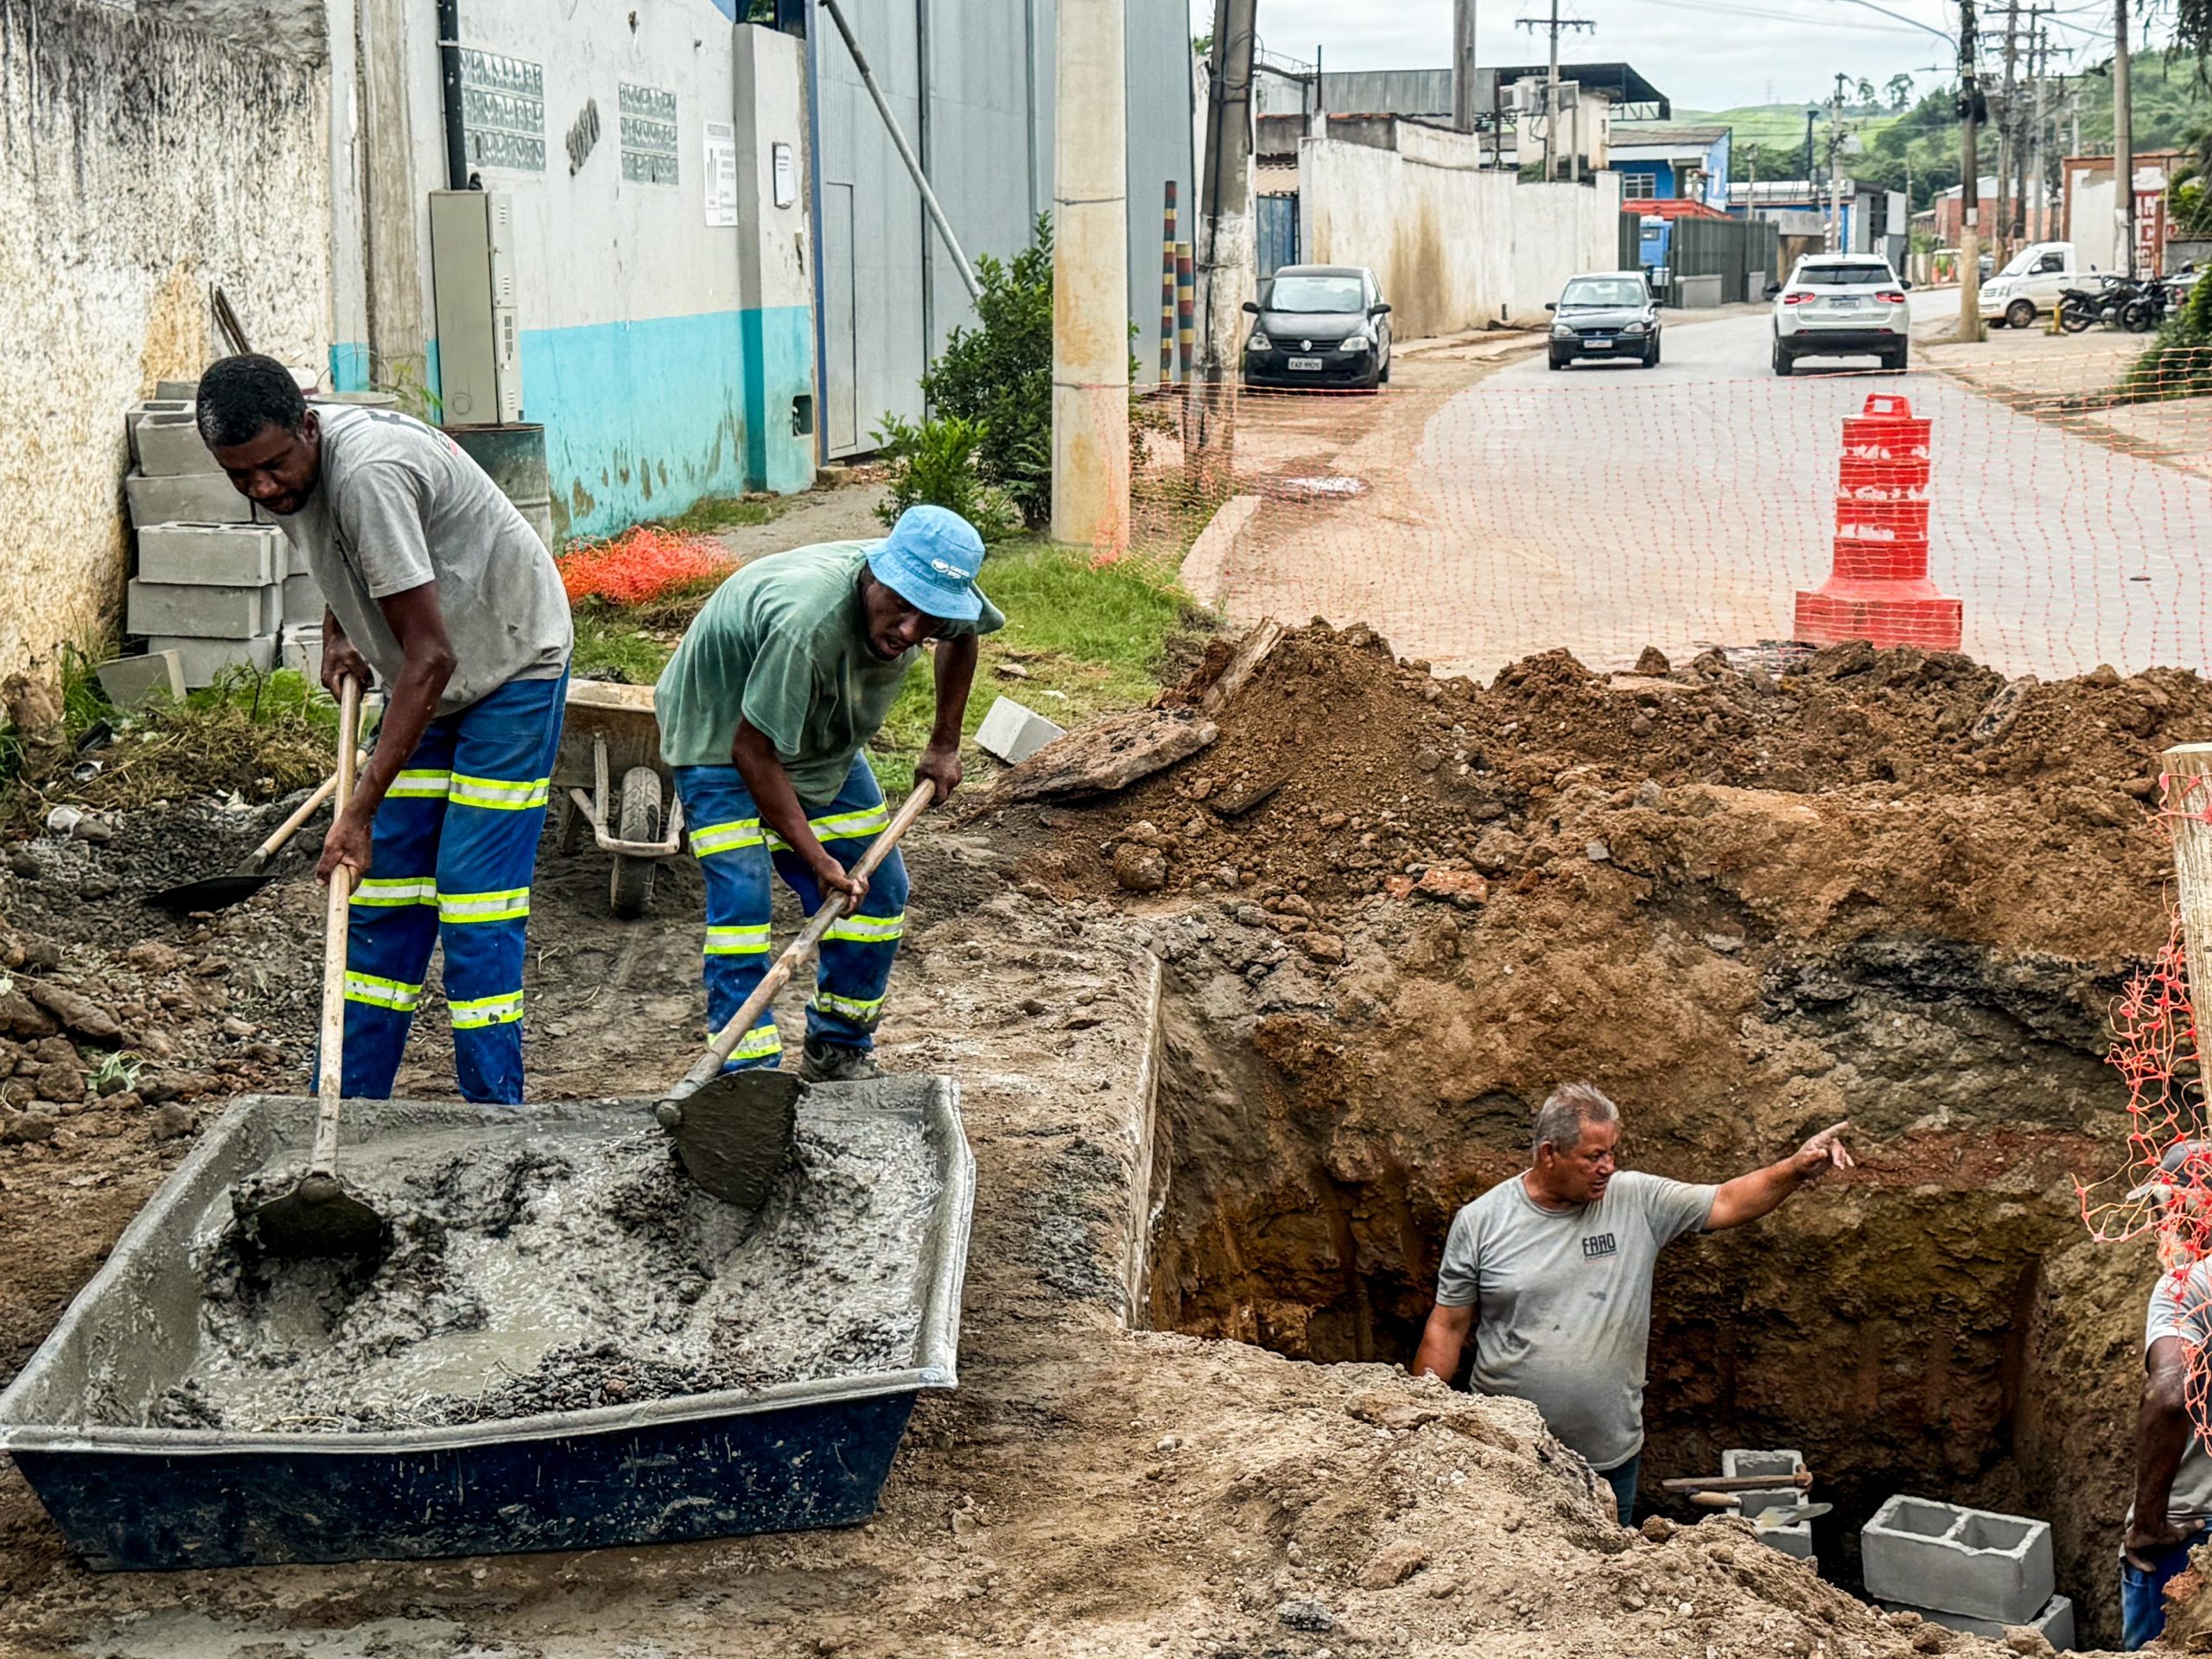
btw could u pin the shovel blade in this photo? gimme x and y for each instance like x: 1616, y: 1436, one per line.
x: 320, y: 1218
x: 734, y: 1133
x: 213, y: 892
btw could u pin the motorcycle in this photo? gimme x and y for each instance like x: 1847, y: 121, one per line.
x: 2079, y: 308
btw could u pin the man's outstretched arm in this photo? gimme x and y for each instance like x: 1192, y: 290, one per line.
x: 1749, y: 1197
x: 1443, y: 1341
x: 2162, y: 1431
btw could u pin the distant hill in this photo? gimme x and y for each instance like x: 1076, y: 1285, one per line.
x: 1783, y: 124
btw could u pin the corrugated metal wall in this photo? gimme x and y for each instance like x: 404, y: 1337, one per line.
x: 889, y: 292
x: 1275, y: 233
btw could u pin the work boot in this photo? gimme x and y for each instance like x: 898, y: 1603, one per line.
x: 837, y: 1063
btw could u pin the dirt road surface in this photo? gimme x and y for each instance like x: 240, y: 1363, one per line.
x: 1476, y: 513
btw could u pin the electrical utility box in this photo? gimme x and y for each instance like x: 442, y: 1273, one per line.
x: 479, y: 339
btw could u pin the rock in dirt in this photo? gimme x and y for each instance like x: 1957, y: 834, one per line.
x: 1653, y: 663
x: 1462, y: 887
x: 35, y: 710
x: 76, y: 1013
x: 176, y: 1085
x: 1305, y: 1615
x: 1139, y: 868
x: 173, y: 1121
x: 20, y: 1017
x: 1107, y: 756
x: 23, y: 1128
x: 1393, y: 1566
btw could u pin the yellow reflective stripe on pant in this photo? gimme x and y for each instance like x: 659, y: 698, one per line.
x: 397, y: 890
x: 712, y: 838
x: 864, y: 1014
x: 506, y: 906
x: 420, y: 786
x: 868, y: 930
x: 761, y: 1043
x: 842, y: 826
x: 485, y: 1011
x: 499, y: 794
x: 738, y: 941
x: 382, y: 993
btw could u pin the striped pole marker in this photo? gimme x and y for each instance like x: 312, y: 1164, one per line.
x: 1186, y: 305
x: 1167, y: 288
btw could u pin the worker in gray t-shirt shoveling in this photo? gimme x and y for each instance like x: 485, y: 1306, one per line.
x: 1552, y: 1271
x: 430, y: 577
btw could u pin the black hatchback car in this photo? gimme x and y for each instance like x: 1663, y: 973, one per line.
x: 1604, y: 315
x: 1319, y: 326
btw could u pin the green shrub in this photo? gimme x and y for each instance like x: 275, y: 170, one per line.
x: 999, y: 376
x: 937, y: 462
x: 2179, y: 363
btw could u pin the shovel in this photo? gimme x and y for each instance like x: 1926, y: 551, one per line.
x: 733, y: 1129
x: 221, y: 891
x: 318, y: 1217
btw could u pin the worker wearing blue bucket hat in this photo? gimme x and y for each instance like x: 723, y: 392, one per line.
x: 766, y: 712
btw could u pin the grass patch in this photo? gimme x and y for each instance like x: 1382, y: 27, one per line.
x: 613, y: 643
x: 710, y: 514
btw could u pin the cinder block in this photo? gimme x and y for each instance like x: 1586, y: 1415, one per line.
x: 203, y: 612
x: 1927, y: 1554
x: 1739, y: 1464
x: 224, y: 555
x: 169, y: 445
x: 1795, y: 1539
x: 2055, y: 1624
x: 1011, y: 733
x: 301, y: 651
x: 134, y: 681
x: 186, y: 390
x: 204, y: 659
x: 132, y: 417
x: 302, y: 602
x: 186, y: 498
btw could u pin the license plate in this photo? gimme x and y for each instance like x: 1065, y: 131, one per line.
x: 1305, y: 362
x: 1843, y: 305
x: 1597, y: 344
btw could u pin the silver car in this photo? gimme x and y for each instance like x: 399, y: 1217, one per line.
x: 1842, y: 305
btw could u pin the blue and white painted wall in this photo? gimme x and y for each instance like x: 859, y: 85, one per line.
x: 657, y: 157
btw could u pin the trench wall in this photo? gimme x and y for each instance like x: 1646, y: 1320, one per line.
x: 1454, y: 246
x: 146, y: 156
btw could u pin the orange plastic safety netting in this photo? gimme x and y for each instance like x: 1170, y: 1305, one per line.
x: 642, y: 564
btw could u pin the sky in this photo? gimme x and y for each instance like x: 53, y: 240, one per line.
x: 1705, y: 54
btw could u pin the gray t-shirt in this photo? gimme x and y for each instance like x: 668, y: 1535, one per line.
x: 1562, y: 1300
x: 2181, y: 1306
x: 400, y: 503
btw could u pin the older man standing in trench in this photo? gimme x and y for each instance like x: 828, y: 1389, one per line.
x: 1552, y: 1271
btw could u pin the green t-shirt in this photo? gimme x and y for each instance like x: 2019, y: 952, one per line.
x: 784, y: 644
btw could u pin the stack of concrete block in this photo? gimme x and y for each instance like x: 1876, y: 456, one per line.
x: 1793, y: 1538
x: 1965, y: 1569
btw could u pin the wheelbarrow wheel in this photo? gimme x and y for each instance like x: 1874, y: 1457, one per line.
x: 570, y: 825
x: 632, y: 887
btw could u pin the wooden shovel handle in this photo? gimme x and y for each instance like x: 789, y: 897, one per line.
x: 324, y: 1158
x: 825, y: 917
x: 290, y: 827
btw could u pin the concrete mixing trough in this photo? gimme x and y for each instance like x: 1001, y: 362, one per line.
x: 804, y: 1454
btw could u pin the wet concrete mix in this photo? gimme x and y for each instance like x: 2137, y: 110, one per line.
x: 563, y: 1268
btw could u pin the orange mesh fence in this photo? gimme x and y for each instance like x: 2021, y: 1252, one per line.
x: 642, y: 564
x: 2043, y: 526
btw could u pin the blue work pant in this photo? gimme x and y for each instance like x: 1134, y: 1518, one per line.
x: 1623, y: 1481
x: 456, y: 842
x: 736, y: 852
x: 2142, y: 1595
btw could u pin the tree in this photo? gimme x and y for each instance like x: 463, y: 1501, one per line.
x: 1865, y: 90
x: 1900, y: 90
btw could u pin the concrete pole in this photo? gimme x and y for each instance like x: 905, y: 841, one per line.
x: 1463, y: 64
x: 1969, y: 181
x: 2188, y: 804
x: 2123, y: 144
x: 1091, y: 278
x: 393, y: 212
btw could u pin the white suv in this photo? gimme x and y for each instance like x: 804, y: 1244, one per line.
x: 1842, y: 305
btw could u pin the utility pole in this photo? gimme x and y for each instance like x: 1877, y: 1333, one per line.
x: 1463, y: 64
x: 2123, y: 142
x: 1551, y: 78
x: 1091, y: 277
x: 2038, y: 61
x: 1835, y: 179
x: 1224, y: 240
x: 1971, y: 111
x: 2008, y: 130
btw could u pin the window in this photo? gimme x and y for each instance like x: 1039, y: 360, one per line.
x: 2049, y: 262
x: 1639, y: 186
x: 1604, y: 291
x: 1316, y: 293
x: 1842, y: 275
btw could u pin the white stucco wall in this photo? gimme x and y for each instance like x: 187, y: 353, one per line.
x: 143, y: 161
x: 1454, y: 247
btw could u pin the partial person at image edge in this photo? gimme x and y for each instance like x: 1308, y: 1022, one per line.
x: 1552, y: 1271
x: 431, y: 578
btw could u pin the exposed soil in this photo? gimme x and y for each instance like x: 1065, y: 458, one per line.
x: 1745, y: 905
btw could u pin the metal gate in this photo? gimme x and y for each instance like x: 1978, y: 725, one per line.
x: 1276, y: 233
x: 1632, y: 241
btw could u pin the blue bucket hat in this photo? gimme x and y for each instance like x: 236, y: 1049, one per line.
x: 930, y: 560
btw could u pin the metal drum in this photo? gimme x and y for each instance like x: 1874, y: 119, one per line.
x: 514, y: 456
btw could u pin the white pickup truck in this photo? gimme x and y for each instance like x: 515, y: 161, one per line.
x: 2031, y: 283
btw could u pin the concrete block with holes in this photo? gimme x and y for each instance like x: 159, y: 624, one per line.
x: 1011, y: 732
x: 132, y: 418
x: 1943, y: 1558
x: 303, y: 601
x: 1785, y: 1493
x: 135, y: 682
x: 187, y: 498
x: 204, y: 611
x: 169, y: 445
x: 212, y: 556
x: 205, y: 660
x: 2055, y: 1624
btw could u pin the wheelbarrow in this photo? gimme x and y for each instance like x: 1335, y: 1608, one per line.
x: 611, y: 733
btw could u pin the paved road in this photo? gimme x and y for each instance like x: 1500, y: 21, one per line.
x: 1611, y: 507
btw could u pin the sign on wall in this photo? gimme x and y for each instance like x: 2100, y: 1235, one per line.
x: 786, y: 173
x: 502, y: 111
x: 721, y: 173
x: 648, y: 135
